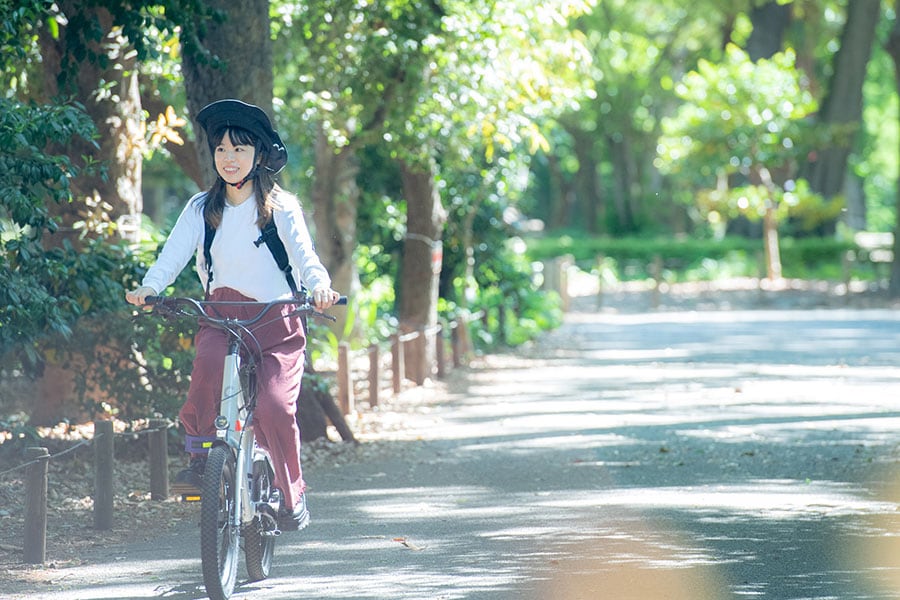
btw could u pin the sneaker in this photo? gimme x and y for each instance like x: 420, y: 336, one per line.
x: 296, y: 519
x: 190, y: 480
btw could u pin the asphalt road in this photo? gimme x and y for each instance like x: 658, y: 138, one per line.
x: 674, y: 455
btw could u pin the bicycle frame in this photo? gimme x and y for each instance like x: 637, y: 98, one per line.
x: 234, y: 427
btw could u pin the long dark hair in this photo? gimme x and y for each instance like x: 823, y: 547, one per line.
x: 264, y: 186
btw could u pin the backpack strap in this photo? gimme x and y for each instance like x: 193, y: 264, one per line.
x: 273, y: 242
x: 270, y: 237
x: 209, y: 232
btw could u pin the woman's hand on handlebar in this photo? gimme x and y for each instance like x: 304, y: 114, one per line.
x: 138, y: 296
x: 324, y: 297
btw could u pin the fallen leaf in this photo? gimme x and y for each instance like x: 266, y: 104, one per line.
x: 405, y: 542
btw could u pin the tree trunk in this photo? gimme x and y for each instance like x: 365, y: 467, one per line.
x: 770, y: 245
x: 624, y: 173
x: 770, y: 21
x: 110, y: 95
x: 238, y: 65
x: 590, y: 199
x: 560, y: 192
x: 421, y: 268
x: 107, y: 201
x: 335, y: 197
x: 893, y: 48
x: 843, y: 104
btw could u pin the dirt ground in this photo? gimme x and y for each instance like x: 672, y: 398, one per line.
x: 70, y: 517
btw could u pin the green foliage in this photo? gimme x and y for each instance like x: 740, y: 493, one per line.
x: 41, y: 292
x: 875, y: 163
x: 745, y: 120
x: 351, y: 66
x: 61, y: 306
x: 738, y: 115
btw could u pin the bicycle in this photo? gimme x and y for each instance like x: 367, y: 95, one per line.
x: 238, y: 498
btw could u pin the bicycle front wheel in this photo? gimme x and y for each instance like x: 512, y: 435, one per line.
x: 219, y: 538
x: 259, y: 538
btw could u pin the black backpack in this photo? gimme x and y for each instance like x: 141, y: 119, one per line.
x: 269, y: 236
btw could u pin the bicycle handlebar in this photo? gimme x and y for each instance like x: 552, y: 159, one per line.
x: 197, y: 307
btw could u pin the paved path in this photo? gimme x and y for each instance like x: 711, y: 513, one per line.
x: 676, y: 456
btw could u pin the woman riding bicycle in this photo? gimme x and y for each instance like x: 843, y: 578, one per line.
x: 247, y: 153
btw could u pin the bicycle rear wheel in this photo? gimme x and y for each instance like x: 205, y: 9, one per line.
x: 219, y: 539
x: 259, y: 539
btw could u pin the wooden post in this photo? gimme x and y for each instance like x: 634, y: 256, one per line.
x: 103, y: 474
x: 439, y: 349
x: 159, y: 471
x: 396, y: 363
x: 563, y: 265
x: 35, y: 542
x: 345, y: 381
x: 374, y: 376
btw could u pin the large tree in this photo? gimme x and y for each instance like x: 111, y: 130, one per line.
x: 228, y: 55
x: 354, y: 72
x: 87, y: 55
x: 843, y: 103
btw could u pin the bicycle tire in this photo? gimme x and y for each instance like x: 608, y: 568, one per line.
x: 219, y: 540
x: 259, y: 549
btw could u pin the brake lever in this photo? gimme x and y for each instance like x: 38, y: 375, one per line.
x: 309, y: 310
x: 322, y: 315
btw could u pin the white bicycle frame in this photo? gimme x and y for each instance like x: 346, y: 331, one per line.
x: 233, y: 429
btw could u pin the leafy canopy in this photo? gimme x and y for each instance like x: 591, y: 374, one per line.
x: 744, y: 119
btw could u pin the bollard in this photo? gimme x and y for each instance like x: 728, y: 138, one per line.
x: 345, y: 387
x: 103, y: 474
x: 35, y: 543
x: 159, y: 459
x: 439, y: 350
x: 374, y: 376
x: 396, y: 363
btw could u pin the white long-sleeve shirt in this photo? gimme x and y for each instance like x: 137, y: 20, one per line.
x: 237, y: 262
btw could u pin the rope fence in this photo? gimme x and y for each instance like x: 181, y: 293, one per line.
x: 36, y: 480
x: 410, y: 359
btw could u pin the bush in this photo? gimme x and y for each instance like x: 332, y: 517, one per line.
x: 695, y: 259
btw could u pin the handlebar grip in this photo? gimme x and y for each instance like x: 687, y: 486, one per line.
x: 153, y: 300
x: 342, y: 301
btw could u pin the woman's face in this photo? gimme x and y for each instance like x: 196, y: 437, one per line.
x: 233, y: 161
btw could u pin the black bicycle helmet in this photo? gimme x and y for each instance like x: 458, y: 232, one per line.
x: 215, y: 117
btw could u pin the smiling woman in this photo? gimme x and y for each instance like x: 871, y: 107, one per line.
x: 235, y: 162
x: 223, y: 227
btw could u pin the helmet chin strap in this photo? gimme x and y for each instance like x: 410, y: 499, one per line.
x: 241, y: 183
x: 252, y: 172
